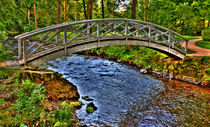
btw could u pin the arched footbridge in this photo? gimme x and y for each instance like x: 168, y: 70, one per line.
x: 62, y: 39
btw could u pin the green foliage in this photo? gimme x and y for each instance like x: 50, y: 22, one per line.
x: 90, y: 109
x: 64, y: 115
x: 29, y: 101
x: 4, y: 53
x: 5, y: 72
x: 75, y: 104
x: 203, y: 44
x: 61, y: 124
x: 206, y: 34
x: 2, y: 102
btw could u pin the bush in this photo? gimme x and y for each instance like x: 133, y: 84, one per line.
x: 206, y: 34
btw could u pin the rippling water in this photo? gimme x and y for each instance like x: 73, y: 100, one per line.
x: 123, y: 96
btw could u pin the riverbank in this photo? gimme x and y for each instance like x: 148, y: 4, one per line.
x: 34, y: 97
x: 194, y: 70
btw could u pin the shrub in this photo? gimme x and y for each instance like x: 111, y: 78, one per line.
x: 206, y: 34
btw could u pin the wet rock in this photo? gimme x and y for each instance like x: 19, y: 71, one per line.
x: 58, y: 88
x: 143, y: 71
x: 83, y: 125
x: 87, y: 98
x: 91, y: 108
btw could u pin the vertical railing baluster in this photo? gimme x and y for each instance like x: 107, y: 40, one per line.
x: 137, y: 33
x: 88, y: 31
x: 169, y: 41
x: 114, y: 32
x: 24, y: 53
x: 19, y: 49
x: 149, y: 34
x: 64, y: 42
x: 98, y: 32
x: 57, y: 36
x: 126, y: 32
x: 169, y: 37
x: 156, y: 36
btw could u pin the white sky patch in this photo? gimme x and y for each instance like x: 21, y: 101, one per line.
x: 122, y: 4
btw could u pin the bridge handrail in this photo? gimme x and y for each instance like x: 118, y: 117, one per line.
x: 49, y: 28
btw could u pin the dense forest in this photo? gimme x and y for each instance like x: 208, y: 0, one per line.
x: 188, y: 17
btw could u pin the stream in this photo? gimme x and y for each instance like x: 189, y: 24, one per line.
x: 127, y: 98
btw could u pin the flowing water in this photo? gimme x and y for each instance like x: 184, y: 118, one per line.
x: 125, y: 97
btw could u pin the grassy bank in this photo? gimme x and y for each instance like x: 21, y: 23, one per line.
x: 203, y: 44
x: 196, y: 68
x: 26, y: 103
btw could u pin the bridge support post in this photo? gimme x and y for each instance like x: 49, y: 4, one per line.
x: 19, y: 49
x: 64, y: 42
x: 186, y: 45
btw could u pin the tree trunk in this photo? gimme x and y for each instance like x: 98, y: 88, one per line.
x: 58, y: 12
x: 102, y: 4
x: 133, y: 12
x: 183, y: 26
x: 29, y: 11
x: 196, y: 29
x: 148, y: 12
x: 85, y: 10
x: 144, y: 10
x: 204, y: 23
x: 35, y: 18
x: 111, y: 13
x: 64, y: 10
x: 90, y: 8
x: 75, y: 14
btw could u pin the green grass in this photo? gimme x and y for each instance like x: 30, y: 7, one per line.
x: 189, y: 51
x: 5, y: 72
x: 187, y: 37
x: 191, y: 37
x: 203, y: 44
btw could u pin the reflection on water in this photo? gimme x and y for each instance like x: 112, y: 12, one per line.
x: 123, y: 95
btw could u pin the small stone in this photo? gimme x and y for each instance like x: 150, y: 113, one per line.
x: 143, y: 71
x: 91, y: 108
x: 87, y: 98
